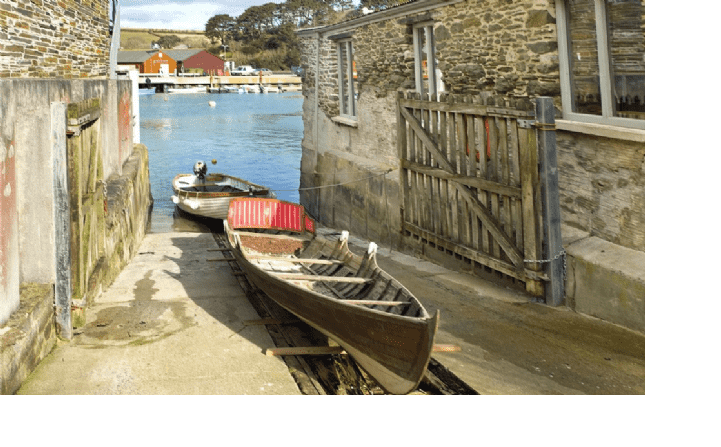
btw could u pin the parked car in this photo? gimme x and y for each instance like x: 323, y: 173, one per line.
x: 263, y: 71
x: 242, y: 70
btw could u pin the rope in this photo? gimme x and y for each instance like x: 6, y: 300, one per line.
x: 337, y: 184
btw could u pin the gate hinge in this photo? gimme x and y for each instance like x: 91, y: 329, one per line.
x: 526, y: 124
x: 530, y: 124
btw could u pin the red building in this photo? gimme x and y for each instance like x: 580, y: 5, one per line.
x: 148, y: 61
x: 197, y: 60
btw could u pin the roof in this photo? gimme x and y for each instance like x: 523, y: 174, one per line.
x: 138, y: 56
x: 397, y: 10
x: 181, y: 55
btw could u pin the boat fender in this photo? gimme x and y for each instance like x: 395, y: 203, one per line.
x: 343, y: 236
x: 193, y: 204
x: 175, y: 199
x: 372, y: 248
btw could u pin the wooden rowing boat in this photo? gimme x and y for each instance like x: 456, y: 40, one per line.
x: 345, y: 296
x: 210, y: 195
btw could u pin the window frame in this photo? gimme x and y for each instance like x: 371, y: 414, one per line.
x: 353, y: 106
x: 604, y: 63
x: 430, y: 48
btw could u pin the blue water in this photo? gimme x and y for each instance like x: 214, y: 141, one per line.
x: 256, y: 137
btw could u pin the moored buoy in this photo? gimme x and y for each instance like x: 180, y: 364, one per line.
x: 214, y: 161
x: 211, y: 103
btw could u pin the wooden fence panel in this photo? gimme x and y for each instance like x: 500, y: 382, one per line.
x: 87, y: 193
x: 470, y: 181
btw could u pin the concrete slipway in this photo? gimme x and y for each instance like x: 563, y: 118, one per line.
x: 173, y: 323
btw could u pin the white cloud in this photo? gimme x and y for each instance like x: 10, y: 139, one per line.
x: 168, y: 14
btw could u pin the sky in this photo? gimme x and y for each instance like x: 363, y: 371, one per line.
x: 179, y: 14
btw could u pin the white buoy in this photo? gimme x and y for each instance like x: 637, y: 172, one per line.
x: 211, y: 103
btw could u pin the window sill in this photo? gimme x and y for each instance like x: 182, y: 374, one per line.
x: 603, y: 130
x: 345, y: 121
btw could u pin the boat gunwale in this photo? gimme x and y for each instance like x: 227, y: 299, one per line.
x: 329, y: 298
x: 182, y: 193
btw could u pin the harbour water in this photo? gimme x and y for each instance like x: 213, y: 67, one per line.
x: 256, y: 137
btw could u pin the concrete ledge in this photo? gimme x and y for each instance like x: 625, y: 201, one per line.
x: 605, y: 280
x: 27, y: 337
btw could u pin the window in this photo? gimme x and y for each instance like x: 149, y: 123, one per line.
x: 427, y: 75
x: 347, y: 80
x: 602, y: 60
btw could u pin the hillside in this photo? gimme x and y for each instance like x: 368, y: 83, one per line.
x: 140, y: 39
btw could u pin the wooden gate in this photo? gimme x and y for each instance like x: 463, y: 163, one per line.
x: 87, y: 194
x: 470, y: 182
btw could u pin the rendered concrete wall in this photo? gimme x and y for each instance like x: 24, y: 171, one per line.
x: 9, y: 268
x: 605, y: 280
x: 26, y: 170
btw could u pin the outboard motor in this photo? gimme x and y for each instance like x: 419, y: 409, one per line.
x: 200, y: 169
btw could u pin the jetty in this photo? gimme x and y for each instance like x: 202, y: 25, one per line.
x: 164, y: 82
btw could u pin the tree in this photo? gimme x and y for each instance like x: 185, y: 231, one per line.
x: 378, y: 5
x: 221, y: 27
x: 168, y: 41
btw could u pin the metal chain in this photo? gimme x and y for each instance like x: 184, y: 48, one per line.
x: 555, y: 258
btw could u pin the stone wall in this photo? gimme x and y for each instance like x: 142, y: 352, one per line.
x: 483, y: 47
x: 494, y: 47
x: 54, y: 39
x: 497, y: 46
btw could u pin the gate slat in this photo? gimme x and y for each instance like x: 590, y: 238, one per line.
x: 493, y: 176
x: 453, y: 167
x: 473, y: 172
x: 505, y: 175
x: 529, y: 184
x: 431, y: 221
x: 414, y: 177
x: 483, y: 173
x: 401, y: 145
x: 516, y: 181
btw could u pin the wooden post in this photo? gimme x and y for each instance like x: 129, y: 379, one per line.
x: 61, y: 214
x: 553, y: 247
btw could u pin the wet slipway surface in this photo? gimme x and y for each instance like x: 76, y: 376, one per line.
x: 176, y: 323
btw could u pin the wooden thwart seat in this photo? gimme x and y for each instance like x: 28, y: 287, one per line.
x: 377, y: 303
x: 304, y: 277
x: 296, y: 260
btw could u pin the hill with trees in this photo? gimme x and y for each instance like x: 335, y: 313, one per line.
x: 263, y: 36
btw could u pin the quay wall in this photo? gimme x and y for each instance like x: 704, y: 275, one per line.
x: 483, y: 47
x: 28, y: 318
